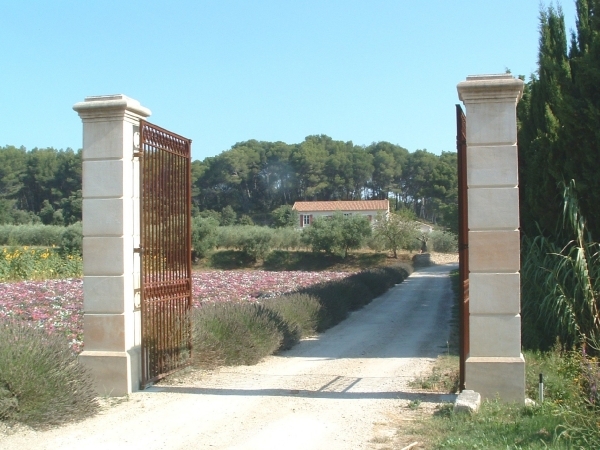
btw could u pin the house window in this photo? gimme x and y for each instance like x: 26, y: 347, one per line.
x: 305, y: 220
x: 347, y: 214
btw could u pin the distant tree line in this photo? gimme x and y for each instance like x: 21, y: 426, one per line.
x: 41, y: 185
x: 559, y: 117
x: 255, y: 177
x: 248, y: 182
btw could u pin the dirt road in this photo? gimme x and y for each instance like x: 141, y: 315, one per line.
x: 337, y: 391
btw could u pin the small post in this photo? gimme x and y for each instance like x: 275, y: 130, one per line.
x: 541, y: 388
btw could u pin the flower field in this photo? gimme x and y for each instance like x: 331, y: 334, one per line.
x: 37, y: 263
x: 57, y: 305
x: 219, y: 286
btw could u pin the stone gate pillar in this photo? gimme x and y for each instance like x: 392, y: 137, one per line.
x: 110, y: 233
x: 495, y: 365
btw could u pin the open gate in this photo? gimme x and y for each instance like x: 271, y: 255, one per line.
x: 463, y: 240
x: 165, y: 248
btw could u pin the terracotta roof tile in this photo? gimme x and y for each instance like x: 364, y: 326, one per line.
x: 359, y: 205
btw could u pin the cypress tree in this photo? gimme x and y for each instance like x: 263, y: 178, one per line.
x: 559, y: 118
x: 540, y: 116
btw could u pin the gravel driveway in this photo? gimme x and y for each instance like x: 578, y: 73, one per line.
x: 340, y: 390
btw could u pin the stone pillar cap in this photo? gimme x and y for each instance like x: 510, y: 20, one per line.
x: 489, y: 88
x: 101, y: 104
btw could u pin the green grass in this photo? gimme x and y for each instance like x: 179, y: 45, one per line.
x: 564, y: 420
x: 444, y: 376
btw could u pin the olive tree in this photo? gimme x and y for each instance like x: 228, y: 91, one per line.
x: 397, y: 230
x: 337, y: 234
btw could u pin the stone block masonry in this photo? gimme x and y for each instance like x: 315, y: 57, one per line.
x: 112, y: 335
x: 495, y: 366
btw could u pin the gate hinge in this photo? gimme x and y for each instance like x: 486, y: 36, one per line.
x: 137, y: 152
x: 139, y: 250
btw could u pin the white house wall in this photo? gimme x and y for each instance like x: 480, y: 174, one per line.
x: 320, y: 214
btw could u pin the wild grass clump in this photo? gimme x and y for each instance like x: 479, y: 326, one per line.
x: 338, y: 298
x: 244, y: 333
x: 41, y: 382
x: 379, y: 280
x: 234, y: 333
x: 300, y: 311
x: 444, y: 377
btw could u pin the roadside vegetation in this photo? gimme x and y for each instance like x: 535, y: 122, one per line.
x: 39, y: 252
x: 567, y: 419
x: 41, y: 383
x: 560, y: 333
x: 330, y: 240
x: 234, y: 333
x: 240, y: 317
x: 560, y: 259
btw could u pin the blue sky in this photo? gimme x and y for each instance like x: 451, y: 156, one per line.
x: 225, y: 71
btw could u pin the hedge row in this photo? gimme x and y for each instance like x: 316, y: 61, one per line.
x: 244, y: 333
x: 67, y: 238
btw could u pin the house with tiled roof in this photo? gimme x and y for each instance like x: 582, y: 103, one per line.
x: 309, y: 211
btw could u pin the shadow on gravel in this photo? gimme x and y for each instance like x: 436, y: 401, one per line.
x: 303, y: 393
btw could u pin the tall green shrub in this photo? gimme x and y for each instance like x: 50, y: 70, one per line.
x: 561, y: 282
x: 337, y: 234
x: 558, y: 118
x: 287, y: 238
x: 71, y: 241
x: 284, y: 216
x: 204, y: 235
x: 397, y: 230
x: 31, y: 235
x: 443, y: 241
x: 256, y: 242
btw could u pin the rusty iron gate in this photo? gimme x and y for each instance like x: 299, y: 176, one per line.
x: 165, y: 249
x: 463, y: 240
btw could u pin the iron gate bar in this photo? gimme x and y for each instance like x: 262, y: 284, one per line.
x: 165, y: 251
x: 463, y: 241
